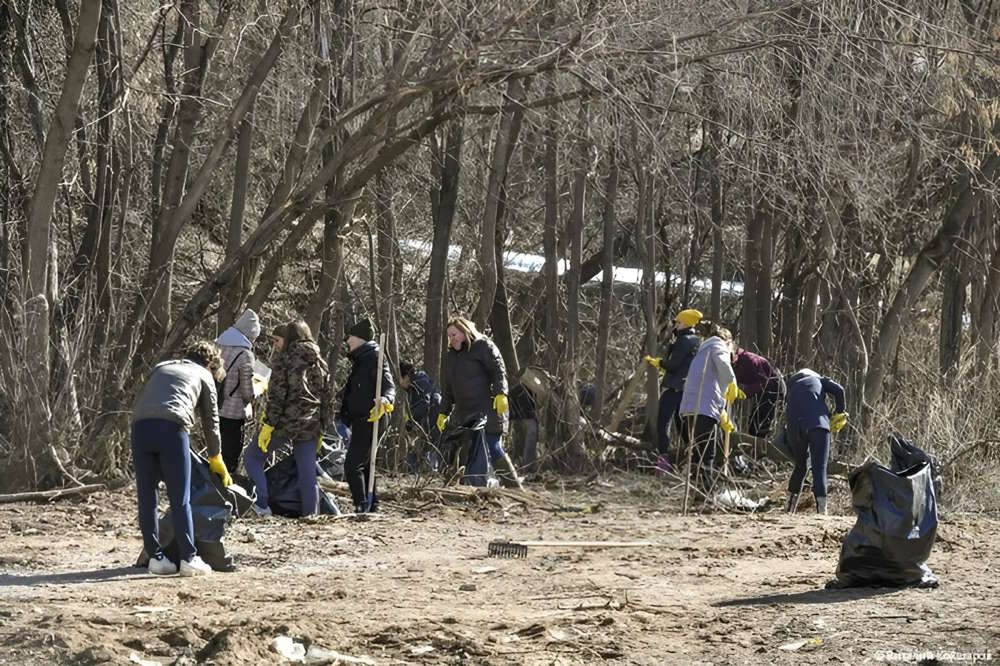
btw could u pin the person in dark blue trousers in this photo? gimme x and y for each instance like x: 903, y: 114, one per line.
x: 162, y: 419
x: 423, y: 402
x: 674, y: 364
x: 808, y: 425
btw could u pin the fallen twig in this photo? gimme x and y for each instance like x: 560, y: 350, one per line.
x: 51, y: 495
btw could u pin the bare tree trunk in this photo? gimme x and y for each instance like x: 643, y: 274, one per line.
x: 312, y: 115
x: 229, y: 301
x: 503, y: 332
x: 168, y: 109
x: 751, y: 277
x: 646, y: 245
x: 549, y: 241
x: 764, y: 285
x: 575, y: 233
x: 181, y: 198
x: 37, y: 424
x: 609, y: 224
x: 953, y: 292
x: 924, y: 266
x: 989, y: 303
x: 506, y: 139
x: 447, y: 164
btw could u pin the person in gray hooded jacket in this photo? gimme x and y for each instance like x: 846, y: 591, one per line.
x: 162, y: 419
x: 236, y: 345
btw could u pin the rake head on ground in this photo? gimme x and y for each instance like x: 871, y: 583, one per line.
x: 507, y: 549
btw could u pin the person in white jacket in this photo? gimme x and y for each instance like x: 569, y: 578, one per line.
x: 236, y: 344
x: 709, y: 388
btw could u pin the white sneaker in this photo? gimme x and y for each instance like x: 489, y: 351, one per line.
x: 195, y: 567
x: 262, y: 513
x: 162, y: 566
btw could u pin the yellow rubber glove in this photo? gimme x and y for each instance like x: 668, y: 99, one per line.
x: 837, y: 422
x: 734, y: 392
x: 500, y: 404
x: 319, y: 444
x: 655, y: 362
x: 725, y: 422
x: 264, y: 438
x: 442, y: 422
x: 217, y: 466
x: 381, y: 408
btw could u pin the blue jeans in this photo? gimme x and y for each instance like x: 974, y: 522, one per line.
x: 813, y: 447
x: 161, y: 450
x: 305, y: 466
x: 494, y: 445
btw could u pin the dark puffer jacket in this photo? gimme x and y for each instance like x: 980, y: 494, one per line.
x: 300, y: 393
x: 473, y: 376
x: 359, y: 391
x: 677, y: 358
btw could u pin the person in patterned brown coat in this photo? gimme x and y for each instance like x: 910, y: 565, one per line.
x: 299, y: 409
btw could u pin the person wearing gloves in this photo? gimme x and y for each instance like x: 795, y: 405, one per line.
x: 808, y: 425
x: 709, y: 389
x: 299, y: 409
x: 763, y: 385
x: 423, y: 400
x: 475, y: 381
x: 235, y: 409
x: 360, y: 409
x: 162, y: 419
x: 674, y: 364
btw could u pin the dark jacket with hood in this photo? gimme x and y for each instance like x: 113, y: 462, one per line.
x: 359, y: 390
x: 677, y: 359
x: 300, y: 393
x: 807, y: 407
x: 424, y: 398
x: 473, y: 376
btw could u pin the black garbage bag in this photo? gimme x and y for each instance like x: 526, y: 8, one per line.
x: 905, y: 454
x: 331, y: 457
x: 464, y: 446
x: 780, y: 444
x: 212, y: 507
x: 897, y: 522
x: 283, y: 490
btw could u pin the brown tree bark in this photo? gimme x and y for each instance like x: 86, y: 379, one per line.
x: 550, y: 270
x: 575, y: 232
x: 609, y: 227
x: 503, y: 146
x: 446, y: 167
x: 924, y: 266
x: 646, y: 245
x: 229, y: 301
x: 36, y: 423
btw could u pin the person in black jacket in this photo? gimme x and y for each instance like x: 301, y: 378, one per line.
x: 423, y: 403
x: 674, y: 364
x: 359, y: 410
x: 475, y: 381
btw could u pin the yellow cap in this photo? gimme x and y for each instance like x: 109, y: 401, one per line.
x: 689, y: 318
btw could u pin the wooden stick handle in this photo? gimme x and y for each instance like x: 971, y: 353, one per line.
x: 375, y: 403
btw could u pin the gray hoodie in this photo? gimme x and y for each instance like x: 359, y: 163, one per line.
x: 174, y: 390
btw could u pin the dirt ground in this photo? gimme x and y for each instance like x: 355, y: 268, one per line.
x: 415, y: 585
